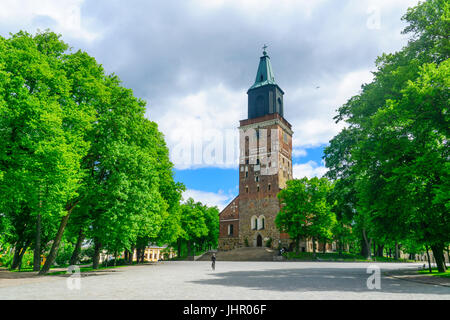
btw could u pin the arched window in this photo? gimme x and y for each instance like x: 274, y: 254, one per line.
x: 261, y: 222
x: 254, y: 223
x: 230, y: 229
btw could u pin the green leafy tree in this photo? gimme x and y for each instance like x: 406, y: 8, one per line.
x: 305, y: 210
x: 394, y: 152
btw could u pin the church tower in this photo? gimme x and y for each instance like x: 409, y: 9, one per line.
x: 264, y: 167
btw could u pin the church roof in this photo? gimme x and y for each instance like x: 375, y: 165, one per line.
x: 264, y: 76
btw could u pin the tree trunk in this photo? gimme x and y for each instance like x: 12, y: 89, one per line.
x: 448, y: 254
x: 324, y: 246
x: 96, y: 258
x: 397, y: 253
x: 179, y: 247
x: 314, y: 246
x: 22, y: 253
x: 366, y: 252
x: 37, y: 245
x: 380, y: 250
x: 55, y: 246
x: 130, y: 257
x: 297, y: 244
x: 429, y: 260
x: 17, y: 252
x: 340, y: 245
x: 138, y: 255
x: 438, y: 253
x: 76, y: 251
x: 189, y: 248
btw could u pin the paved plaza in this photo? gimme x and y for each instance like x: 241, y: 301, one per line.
x: 230, y: 281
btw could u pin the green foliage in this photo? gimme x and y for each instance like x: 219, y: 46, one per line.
x: 74, y: 142
x: 64, y: 254
x: 305, y: 210
x: 390, y: 163
x: 199, y: 224
x: 269, y: 242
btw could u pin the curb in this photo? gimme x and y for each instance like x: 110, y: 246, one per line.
x: 406, y: 278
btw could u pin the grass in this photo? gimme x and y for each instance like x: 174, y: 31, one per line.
x: 436, y: 273
x: 30, y: 269
x: 334, y: 256
x: 89, y: 269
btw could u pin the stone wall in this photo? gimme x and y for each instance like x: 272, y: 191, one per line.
x: 269, y: 208
x: 226, y: 244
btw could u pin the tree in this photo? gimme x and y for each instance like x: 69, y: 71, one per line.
x: 394, y: 151
x: 305, y: 211
x: 42, y: 135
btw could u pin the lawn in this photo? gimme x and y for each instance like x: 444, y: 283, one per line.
x: 436, y: 273
x: 334, y: 256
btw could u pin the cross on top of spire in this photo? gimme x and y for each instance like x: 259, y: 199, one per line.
x: 264, y: 50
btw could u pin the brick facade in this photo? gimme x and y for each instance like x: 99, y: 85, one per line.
x: 229, y: 226
x: 265, y: 166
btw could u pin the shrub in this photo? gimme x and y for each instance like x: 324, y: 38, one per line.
x: 64, y: 254
x: 269, y: 243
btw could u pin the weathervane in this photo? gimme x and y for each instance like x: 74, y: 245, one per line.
x: 264, y: 50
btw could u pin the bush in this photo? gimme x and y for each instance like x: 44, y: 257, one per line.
x: 246, y: 242
x: 110, y: 263
x: 64, y: 254
x: 27, y: 260
x: 269, y: 243
x: 6, y: 259
x: 87, y: 254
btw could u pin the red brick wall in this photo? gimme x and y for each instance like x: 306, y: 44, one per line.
x: 229, y: 215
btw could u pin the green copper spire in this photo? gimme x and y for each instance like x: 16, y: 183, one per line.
x: 264, y: 76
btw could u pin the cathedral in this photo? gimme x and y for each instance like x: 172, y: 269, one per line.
x: 265, y: 164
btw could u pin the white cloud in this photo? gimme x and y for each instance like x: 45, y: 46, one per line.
x: 309, y: 170
x: 62, y: 16
x: 193, y: 60
x: 201, y: 128
x: 314, y: 125
x: 220, y: 199
x: 298, y: 152
x: 207, y: 120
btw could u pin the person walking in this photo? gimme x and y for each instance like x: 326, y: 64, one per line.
x: 213, y: 259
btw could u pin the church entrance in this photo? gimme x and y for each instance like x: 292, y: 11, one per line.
x: 259, y: 241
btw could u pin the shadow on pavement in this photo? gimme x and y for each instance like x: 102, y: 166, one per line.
x: 323, y: 279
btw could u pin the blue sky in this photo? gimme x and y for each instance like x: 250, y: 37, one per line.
x: 217, y: 180
x: 192, y: 61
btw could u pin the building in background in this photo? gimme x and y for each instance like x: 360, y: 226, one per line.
x: 265, y: 166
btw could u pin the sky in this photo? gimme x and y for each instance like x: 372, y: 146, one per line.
x: 193, y: 61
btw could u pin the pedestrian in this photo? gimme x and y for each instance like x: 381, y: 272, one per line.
x: 213, y: 259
